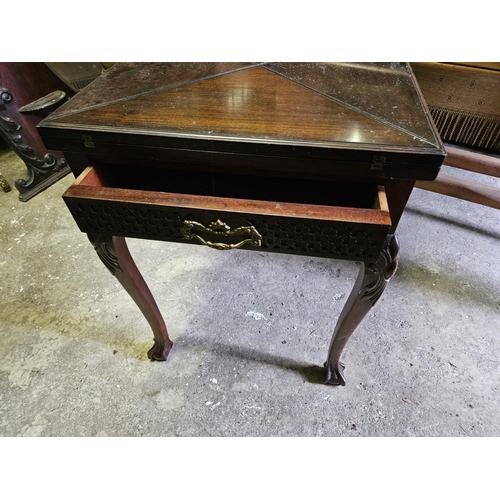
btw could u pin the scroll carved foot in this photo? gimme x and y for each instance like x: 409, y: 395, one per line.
x: 114, y: 254
x: 370, y: 284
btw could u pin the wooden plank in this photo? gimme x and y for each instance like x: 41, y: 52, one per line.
x: 472, y: 161
x: 468, y: 191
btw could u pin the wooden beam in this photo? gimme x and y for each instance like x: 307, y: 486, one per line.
x: 472, y: 161
x: 468, y: 191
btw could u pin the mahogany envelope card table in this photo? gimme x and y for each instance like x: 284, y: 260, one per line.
x: 315, y: 159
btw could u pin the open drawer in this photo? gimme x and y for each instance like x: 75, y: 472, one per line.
x: 227, y: 211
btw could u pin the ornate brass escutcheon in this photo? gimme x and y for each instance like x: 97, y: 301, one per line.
x: 220, y: 228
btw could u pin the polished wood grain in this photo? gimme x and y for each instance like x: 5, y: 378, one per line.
x: 253, y: 104
x: 124, y: 81
x: 367, y: 88
x: 246, y: 118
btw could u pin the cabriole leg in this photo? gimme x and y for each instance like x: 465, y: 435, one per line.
x: 114, y: 253
x: 370, y: 284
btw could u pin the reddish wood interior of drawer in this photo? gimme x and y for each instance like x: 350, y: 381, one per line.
x: 241, y: 193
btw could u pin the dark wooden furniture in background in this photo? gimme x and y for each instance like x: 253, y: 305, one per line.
x: 464, y: 100
x: 475, y: 192
x: 312, y: 159
x: 29, y: 92
x: 77, y: 75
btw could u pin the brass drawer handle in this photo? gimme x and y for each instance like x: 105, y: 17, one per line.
x: 220, y: 228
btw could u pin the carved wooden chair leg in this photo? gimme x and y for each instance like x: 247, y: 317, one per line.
x: 370, y: 284
x: 114, y: 253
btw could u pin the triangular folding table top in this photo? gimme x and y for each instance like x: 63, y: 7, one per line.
x: 324, y: 104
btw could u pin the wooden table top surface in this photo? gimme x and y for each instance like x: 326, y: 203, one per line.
x: 352, y: 114
x: 368, y: 105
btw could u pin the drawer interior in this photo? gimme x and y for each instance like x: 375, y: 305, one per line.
x: 236, y: 186
x: 340, y: 220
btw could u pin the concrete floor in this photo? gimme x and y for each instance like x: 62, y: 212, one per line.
x: 250, y: 331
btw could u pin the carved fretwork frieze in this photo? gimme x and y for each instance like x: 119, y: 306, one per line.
x: 105, y: 249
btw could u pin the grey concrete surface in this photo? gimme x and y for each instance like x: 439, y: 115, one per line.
x: 250, y: 331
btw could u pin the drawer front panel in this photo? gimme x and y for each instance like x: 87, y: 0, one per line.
x: 321, y: 238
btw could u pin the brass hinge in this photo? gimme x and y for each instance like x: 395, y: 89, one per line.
x: 378, y: 162
x: 87, y: 141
